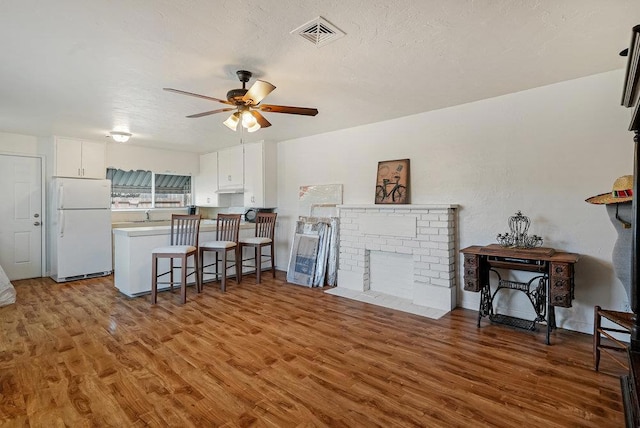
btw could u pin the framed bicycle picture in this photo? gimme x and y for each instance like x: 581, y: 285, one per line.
x: 392, y: 182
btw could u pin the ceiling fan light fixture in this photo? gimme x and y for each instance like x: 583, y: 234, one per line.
x: 248, y: 121
x: 232, y: 121
x: 254, y: 128
x: 120, y: 136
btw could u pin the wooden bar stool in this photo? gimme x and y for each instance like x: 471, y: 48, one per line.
x: 184, y: 243
x: 264, y: 236
x: 227, y: 230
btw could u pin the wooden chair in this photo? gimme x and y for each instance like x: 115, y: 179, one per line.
x: 184, y: 243
x: 227, y: 230
x: 265, y: 229
x: 624, y: 322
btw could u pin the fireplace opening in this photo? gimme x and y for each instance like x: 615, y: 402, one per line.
x: 391, y: 273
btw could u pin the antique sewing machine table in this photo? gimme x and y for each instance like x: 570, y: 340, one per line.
x: 554, y: 286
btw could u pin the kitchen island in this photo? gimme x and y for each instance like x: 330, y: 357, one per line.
x: 132, y: 255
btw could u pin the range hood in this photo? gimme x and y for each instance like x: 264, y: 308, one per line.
x: 230, y: 190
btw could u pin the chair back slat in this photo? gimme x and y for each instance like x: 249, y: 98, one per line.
x: 265, y: 225
x: 185, y: 229
x: 228, y: 227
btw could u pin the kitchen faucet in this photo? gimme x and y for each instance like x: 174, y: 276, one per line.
x: 147, y: 214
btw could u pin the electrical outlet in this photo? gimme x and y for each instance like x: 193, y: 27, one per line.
x: 626, y: 307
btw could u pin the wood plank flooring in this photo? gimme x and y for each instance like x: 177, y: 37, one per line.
x: 280, y: 355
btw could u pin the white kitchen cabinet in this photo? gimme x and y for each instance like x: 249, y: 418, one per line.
x: 230, y: 169
x: 79, y: 159
x: 206, y: 182
x: 260, y: 175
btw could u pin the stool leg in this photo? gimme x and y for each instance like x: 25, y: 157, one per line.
x: 154, y: 279
x: 257, y: 252
x: 171, y: 273
x: 239, y: 256
x: 183, y: 280
x: 223, y: 282
x: 273, y: 262
x: 216, y: 255
x: 200, y: 257
x: 197, y: 273
x: 596, y: 337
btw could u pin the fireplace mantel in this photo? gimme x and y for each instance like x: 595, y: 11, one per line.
x: 399, y: 206
x: 419, y: 239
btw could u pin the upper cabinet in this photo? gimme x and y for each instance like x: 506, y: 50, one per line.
x: 242, y: 175
x: 206, y: 182
x: 260, y: 175
x: 79, y: 159
x: 231, y: 169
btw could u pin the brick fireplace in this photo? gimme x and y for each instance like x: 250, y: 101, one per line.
x: 406, y: 252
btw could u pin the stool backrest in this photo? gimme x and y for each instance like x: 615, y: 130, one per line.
x: 227, y: 227
x: 265, y: 225
x: 184, y: 229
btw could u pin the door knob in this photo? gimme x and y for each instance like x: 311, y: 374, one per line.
x: 36, y: 215
x: 37, y: 223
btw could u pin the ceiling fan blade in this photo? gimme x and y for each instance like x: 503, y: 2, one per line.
x: 290, y: 110
x: 262, y: 121
x: 191, y: 94
x: 207, y: 113
x: 257, y: 92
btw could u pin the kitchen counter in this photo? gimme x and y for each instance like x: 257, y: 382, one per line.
x: 145, y: 223
x: 141, y: 230
x: 154, y: 223
x: 132, y: 254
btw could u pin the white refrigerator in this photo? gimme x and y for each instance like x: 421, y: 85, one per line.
x: 79, y: 229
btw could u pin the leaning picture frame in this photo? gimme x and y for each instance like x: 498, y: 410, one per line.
x: 392, y: 182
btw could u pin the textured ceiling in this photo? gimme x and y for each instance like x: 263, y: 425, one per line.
x: 81, y: 68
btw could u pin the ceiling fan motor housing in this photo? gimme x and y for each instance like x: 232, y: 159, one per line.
x: 235, y: 96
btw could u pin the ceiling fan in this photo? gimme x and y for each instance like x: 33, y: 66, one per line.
x: 246, y: 103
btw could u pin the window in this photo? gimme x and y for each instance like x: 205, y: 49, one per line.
x: 146, y: 189
x: 172, y: 190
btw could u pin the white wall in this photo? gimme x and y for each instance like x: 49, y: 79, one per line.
x: 126, y: 156
x: 541, y: 151
x: 16, y: 143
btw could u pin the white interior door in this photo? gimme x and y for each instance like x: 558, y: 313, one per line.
x: 21, y: 214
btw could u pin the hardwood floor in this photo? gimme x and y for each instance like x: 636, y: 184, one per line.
x: 281, y: 355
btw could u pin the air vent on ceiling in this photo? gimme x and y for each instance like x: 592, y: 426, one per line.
x: 319, y: 31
